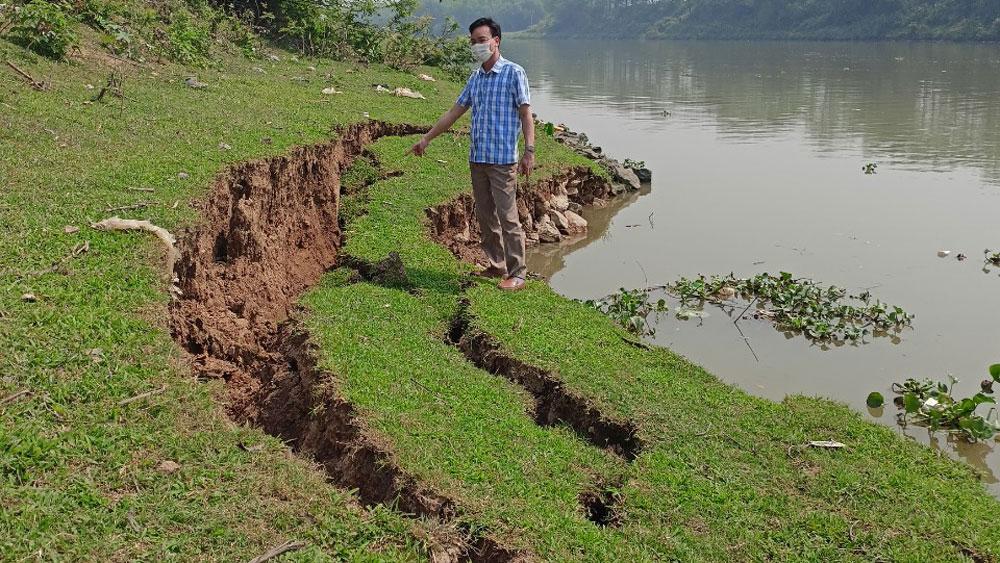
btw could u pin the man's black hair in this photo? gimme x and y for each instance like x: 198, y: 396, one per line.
x: 494, y: 26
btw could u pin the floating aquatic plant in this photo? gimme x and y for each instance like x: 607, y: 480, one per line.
x: 820, y: 313
x: 630, y: 308
x: 933, y: 405
x: 991, y: 257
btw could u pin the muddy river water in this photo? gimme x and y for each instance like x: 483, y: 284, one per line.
x: 757, y: 151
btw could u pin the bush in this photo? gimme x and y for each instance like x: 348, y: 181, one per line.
x: 44, y: 27
x: 187, y: 42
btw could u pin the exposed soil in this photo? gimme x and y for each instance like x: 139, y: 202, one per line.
x: 454, y: 226
x: 269, y: 232
x: 554, y: 403
x: 601, y: 507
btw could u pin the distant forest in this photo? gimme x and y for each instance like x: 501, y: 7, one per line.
x: 960, y: 20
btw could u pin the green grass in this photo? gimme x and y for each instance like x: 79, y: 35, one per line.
x: 80, y: 477
x: 730, y: 467
x: 723, y: 475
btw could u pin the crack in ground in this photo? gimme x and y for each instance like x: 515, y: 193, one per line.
x: 270, y: 231
x: 554, y: 403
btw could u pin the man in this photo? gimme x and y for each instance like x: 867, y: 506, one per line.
x: 498, y: 94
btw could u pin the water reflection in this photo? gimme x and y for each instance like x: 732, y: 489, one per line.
x: 547, y: 259
x: 926, y: 104
x: 756, y: 151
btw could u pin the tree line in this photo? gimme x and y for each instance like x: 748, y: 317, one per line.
x: 962, y: 20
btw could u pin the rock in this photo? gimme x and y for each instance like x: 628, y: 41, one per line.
x: 575, y: 207
x: 599, y: 203
x: 168, y: 466
x: 576, y: 223
x: 590, y: 153
x: 407, y: 93
x: 547, y: 231
x: 943, y: 253
x: 645, y: 175
x: 464, y: 235
x: 622, y: 174
x: 29, y: 297
x: 193, y: 82
x: 559, y: 202
x: 331, y: 90
x: 560, y: 221
x: 70, y: 229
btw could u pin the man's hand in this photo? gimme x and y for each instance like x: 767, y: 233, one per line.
x: 527, y: 164
x: 419, y: 148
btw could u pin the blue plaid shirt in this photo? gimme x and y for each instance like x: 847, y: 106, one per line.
x: 495, y: 97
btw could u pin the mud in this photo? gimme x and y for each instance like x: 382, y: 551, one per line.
x: 554, y: 403
x: 269, y: 232
x: 454, y: 226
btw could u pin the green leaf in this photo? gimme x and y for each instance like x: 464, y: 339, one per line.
x: 995, y: 372
x: 911, y: 403
x: 875, y: 400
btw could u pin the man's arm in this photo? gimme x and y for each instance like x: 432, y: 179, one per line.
x: 528, y: 128
x: 443, y: 124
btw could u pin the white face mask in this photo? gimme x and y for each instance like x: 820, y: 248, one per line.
x: 481, y: 52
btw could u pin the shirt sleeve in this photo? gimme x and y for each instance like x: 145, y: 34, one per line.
x: 521, y: 93
x: 465, y: 98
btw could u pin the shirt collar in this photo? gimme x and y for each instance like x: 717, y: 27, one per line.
x: 497, y: 66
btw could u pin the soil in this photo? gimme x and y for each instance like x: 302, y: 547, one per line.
x: 453, y: 224
x: 554, y: 403
x: 269, y: 232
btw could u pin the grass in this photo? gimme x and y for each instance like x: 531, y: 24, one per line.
x: 722, y: 475
x: 79, y: 473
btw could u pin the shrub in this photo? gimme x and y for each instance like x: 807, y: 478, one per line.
x: 44, y: 27
x: 188, y: 43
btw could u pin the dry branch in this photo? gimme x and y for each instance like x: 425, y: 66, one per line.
x: 15, y: 396
x: 276, y: 551
x: 34, y: 83
x: 142, y: 396
x: 118, y: 224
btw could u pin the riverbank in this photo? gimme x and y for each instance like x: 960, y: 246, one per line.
x: 589, y: 447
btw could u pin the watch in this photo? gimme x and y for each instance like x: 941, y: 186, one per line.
x: 529, y: 148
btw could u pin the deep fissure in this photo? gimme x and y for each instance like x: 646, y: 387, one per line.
x: 601, y: 507
x: 554, y: 403
x: 270, y: 230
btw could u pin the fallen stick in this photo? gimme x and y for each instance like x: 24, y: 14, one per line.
x: 276, y: 551
x: 147, y: 190
x: 142, y: 396
x: 118, y: 224
x: 15, y: 396
x: 77, y: 250
x: 34, y: 83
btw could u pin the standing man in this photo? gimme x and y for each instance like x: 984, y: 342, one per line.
x: 498, y: 94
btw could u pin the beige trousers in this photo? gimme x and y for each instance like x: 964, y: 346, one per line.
x: 494, y: 188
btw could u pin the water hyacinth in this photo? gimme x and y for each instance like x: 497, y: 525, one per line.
x: 821, y: 313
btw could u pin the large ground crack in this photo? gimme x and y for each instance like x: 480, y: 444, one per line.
x: 554, y: 403
x: 269, y: 232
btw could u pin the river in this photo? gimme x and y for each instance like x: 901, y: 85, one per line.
x: 757, y: 150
